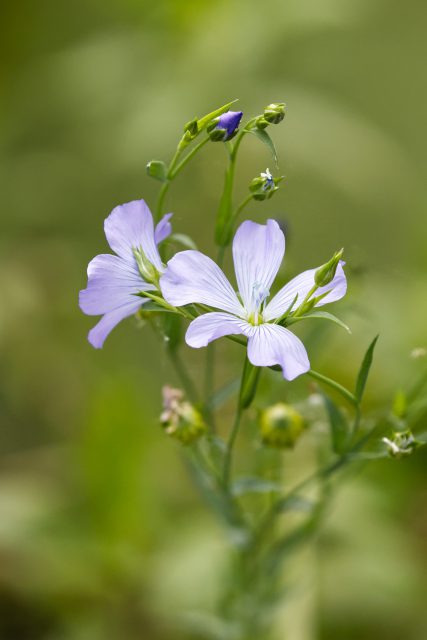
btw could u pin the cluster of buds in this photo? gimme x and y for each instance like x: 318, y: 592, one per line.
x: 273, y: 114
x: 224, y: 127
x: 180, y: 419
x: 280, y: 425
x: 402, y: 443
x: 263, y: 186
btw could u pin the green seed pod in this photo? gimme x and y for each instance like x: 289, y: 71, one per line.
x: 180, y: 419
x: 281, y: 425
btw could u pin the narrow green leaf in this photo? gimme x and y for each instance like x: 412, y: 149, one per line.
x: 296, y: 503
x: 183, y: 239
x: 262, y: 135
x: 252, y: 484
x: 340, y: 429
x: 322, y: 315
x: 153, y: 306
x: 364, y: 370
x: 157, y: 169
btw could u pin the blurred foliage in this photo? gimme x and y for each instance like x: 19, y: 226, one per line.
x: 101, y: 535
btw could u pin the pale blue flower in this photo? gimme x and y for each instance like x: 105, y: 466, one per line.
x: 258, y: 250
x: 114, y: 281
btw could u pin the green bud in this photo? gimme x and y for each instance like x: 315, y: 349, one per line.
x: 401, y: 443
x: 275, y: 112
x: 326, y: 273
x: 217, y: 135
x: 180, y: 419
x: 192, y: 128
x: 147, y: 270
x: 157, y: 169
x: 281, y: 426
x: 261, y: 123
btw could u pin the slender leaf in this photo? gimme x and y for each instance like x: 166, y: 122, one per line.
x: 322, y: 315
x: 262, y: 135
x: 364, y: 370
x: 183, y: 239
x: 340, y: 429
x: 252, y: 484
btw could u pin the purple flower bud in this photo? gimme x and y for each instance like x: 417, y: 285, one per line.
x: 230, y: 122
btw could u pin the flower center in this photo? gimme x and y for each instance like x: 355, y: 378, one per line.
x: 258, y: 296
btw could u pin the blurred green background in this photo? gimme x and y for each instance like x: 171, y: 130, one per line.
x: 101, y: 534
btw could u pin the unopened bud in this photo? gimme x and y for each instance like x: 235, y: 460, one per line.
x: 225, y: 126
x: 281, y: 425
x: 192, y: 128
x: 275, y: 112
x: 180, y: 419
x: 326, y: 273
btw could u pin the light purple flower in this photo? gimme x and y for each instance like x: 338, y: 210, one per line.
x: 114, y: 281
x: 258, y: 250
x: 230, y: 122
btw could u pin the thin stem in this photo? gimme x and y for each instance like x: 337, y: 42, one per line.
x: 229, y: 449
x: 334, y: 385
x: 172, y: 174
x: 183, y: 375
x: 161, y: 198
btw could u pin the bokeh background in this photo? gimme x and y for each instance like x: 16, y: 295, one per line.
x: 101, y: 534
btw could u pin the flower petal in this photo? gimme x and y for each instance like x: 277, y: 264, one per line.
x: 112, y: 283
x: 107, y: 323
x: 192, y: 277
x: 211, y: 326
x: 131, y: 226
x: 301, y: 285
x: 163, y: 228
x: 271, y: 344
x: 258, y: 251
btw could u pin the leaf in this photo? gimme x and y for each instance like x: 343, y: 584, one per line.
x: 262, y: 135
x: 323, y: 315
x: 183, y: 239
x: 364, y: 370
x: 153, y: 306
x: 340, y: 430
x: 252, y: 484
x: 296, y: 503
x: 157, y: 169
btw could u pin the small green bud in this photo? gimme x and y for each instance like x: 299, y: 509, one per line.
x: 326, y: 273
x: 157, y: 169
x: 261, y: 123
x: 275, y: 112
x: 402, y: 443
x: 281, y: 425
x: 179, y: 418
x: 192, y: 128
x: 147, y: 270
x: 217, y: 135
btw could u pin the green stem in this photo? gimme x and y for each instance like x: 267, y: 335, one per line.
x: 229, y: 449
x: 334, y: 385
x: 173, y: 173
x: 183, y: 375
